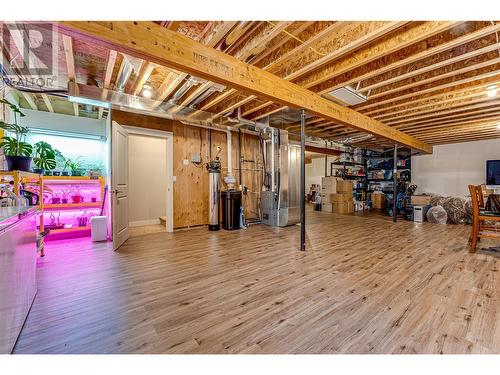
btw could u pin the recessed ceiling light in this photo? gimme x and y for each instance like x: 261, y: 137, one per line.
x: 146, y: 90
x: 498, y: 126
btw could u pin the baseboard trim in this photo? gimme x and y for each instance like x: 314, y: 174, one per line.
x: 141, y: 223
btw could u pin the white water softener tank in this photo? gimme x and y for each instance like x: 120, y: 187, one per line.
x: 214, y: 168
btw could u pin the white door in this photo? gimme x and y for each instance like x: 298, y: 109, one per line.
x: 119, y: 184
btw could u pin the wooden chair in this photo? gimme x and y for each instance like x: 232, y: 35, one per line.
x: 480, y: 217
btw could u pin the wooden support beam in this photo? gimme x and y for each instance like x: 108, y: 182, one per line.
x: 152, y: 42
x: 76, y: 109
x: 70, y: 65
x: 258, y: 44
x: 70, y: 60
x: 172, y: 82
x: 108, y: 72
x: 47, y: 102
x: 144, y: 73
x: 30, y: 99
x: 286, y: 38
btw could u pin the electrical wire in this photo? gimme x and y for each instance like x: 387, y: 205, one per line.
x: 298, y: 39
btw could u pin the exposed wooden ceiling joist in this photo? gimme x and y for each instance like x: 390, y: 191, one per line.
x: 47, y: 102
x: 318, y: 81
x: 343, y: 50
x: 151, y: 42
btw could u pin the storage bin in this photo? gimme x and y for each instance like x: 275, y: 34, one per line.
x: 99, y: 228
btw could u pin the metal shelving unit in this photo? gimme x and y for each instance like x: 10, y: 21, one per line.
x: 360, y: 191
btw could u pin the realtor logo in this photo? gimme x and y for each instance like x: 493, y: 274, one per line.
x: 29, y: 55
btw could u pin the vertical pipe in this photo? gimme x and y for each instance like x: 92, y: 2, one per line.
x: 209, y: 144
x: 240, y: 175
x: 302, y: 180
x: 230, y: 179
x: 326, y: 162
x: 395, y: 181
x: 273, y: 162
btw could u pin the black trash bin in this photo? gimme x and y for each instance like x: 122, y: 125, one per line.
x: 231, y: 203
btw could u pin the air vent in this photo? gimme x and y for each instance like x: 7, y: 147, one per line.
x: 347, y: 96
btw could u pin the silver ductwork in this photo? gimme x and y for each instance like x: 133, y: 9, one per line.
x: 209, y: 91
x: 124, y: 75
x: 190, y: 82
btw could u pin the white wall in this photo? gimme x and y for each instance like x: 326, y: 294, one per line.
x: 147, y: 179
x: 316, y: 170
x: 63, y: 123
x: 450, y: 168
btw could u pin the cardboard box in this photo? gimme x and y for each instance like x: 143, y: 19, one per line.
x: 344, y: 186
x: 343, y: 207
x: 378, y: 200
x: 328, y: 181
x: 326, y: 198
x: 326, y: 207
x: 341, y: 197
x: 421, y: 200
x: 328, y: 189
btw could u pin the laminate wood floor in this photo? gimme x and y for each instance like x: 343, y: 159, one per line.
x: 146, y: 229
x: 364, y: 285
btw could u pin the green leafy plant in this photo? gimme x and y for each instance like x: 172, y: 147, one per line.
x: 44, y: 156
x: 60, y: 159
x: 17, y: 145
x: 75, y: 165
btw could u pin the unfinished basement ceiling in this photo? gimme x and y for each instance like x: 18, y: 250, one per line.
x: 428, y: 79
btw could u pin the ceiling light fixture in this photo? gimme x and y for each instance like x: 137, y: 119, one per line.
x: 498, y: 126
x: 147, y: 90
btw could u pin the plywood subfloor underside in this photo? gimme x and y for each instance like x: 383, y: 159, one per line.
x: 364, y: 286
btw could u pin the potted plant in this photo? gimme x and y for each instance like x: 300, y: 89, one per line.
x: 65, y: 167
x: 44, y: 157
x: 65, y: 195
x: 75, y: 166
x: 55, y: 198
x: 60, y: 162
x: 76, y: 197
x: 17, y: 150
x: 95, y: 170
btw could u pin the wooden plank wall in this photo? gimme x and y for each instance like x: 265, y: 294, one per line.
x: 191, y: 185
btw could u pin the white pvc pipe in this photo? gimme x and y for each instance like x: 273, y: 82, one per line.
x: 229, y: 179
x: 229, y: 149
x: 273, y: 181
